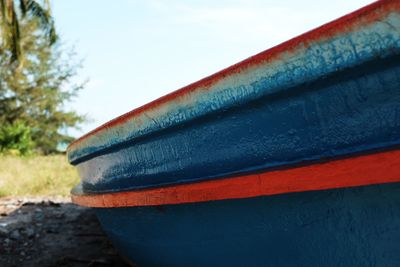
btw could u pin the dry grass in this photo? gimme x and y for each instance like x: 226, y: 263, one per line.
x: 36, y: 175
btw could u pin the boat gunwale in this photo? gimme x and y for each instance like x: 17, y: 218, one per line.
x: 340, y: 25
x: 362, y: 170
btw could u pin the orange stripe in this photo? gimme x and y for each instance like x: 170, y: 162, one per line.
x: 370, y: 169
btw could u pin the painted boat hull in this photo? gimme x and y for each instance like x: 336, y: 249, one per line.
x: 289, y: 158
x: 342, y: 227
x: 344, y: 114
x: 331, y: 93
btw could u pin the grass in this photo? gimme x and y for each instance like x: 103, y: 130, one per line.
x: 36, y: 176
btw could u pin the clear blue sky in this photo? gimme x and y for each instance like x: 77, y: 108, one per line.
x: 136, y: 51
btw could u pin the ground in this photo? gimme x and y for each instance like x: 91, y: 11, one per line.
x: 49, y: 232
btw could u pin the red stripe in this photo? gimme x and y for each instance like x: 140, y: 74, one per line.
x: 376, y: 168
x: 344, y: 24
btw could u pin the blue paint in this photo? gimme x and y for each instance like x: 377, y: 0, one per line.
x: 352, y: 111
x: 305, y: 63
x: 344, y: 227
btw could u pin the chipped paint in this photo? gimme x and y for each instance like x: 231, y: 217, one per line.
x: 320, y: 99
x: 352, y: 111
x: 317, y: 117
x: 377, y: 168
x: 351, y: 40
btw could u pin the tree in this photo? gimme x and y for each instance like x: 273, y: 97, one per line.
x: 34, y: 93
x: 10, y: 24
x: 15, y: 138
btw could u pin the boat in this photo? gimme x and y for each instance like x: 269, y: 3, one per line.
x: 288, y: 158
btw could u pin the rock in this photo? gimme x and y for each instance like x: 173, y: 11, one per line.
x: 59, y: 216
x: 52, y: 231
x: 3, y: 231
x: 45, y: 227
x: 38, y: 215
x: 30, y: 232
x: 54, y: 204
x: 15, y: 235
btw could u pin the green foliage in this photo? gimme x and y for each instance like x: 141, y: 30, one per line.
x: 35, y: 91
x: 15, y: 139
x: 11, y: 13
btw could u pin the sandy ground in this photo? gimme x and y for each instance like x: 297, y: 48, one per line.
x: 52, y: 232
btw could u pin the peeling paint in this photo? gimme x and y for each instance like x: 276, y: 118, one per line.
x: 332, y: 93
x: 347, y: 42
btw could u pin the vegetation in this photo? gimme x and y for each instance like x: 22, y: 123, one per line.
x: 34, y: 176
x: 10, y: 18
x: 15, y: 139
x: 36, y: 82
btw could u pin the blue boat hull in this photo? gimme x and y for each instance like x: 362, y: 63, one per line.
x: 288, y: 158
x: 343, y: 227
x: 333, y: 92
x: 348, y: 112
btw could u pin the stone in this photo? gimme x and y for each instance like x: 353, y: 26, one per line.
x: 15, y: 235
x: 3, y: 231
x: 30, y: 232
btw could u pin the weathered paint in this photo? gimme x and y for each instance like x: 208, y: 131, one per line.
x: 376, y: 168
x: 321, y: 98
x: 354, y: 111
x: 343, y: 227
x: 349, y: 41
x: 321, y: 111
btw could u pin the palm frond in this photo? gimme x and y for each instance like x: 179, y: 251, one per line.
x: 33, y: 8
x: 9, y: 23
x: 22, y: 7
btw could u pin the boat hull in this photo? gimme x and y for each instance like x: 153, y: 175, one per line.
x: 288, y: 158
x: 342, y: 227
x: 344, y: 114
x: 330, y: 93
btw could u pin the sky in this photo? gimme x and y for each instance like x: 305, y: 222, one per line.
x: 135, y: 51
